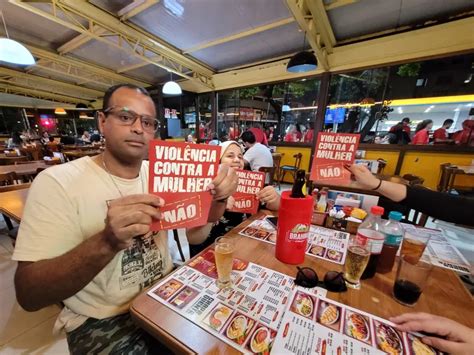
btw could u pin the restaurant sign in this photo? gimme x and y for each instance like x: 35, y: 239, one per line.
x: 180, y: 173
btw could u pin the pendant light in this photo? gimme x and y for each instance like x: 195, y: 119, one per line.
x: 302, y: 61
x: 60, y: 111
x: 12, y: 51
x: 171, y: 87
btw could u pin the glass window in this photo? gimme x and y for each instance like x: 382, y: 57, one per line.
x: 207, y: 130
x: 180, y: 116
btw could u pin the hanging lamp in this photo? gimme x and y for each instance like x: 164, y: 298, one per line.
x: 171, y: 87
x: 60, y: 111
x: 302, y: 61
x: 12, y: 51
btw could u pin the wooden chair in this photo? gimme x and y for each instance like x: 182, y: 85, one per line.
x: 413, y: 179
x: 291, y: 168
x: 444, y: 176
x: 8, y: 179
x: 381, y: 167
x: 269, y: 173
x: 276, y: 164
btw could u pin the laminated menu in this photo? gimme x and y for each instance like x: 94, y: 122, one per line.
x: 180, y: 173
x: 250, y: 182
x: 246, y: 316
x: 440, y: 252
x: 323, y: 243
x: 317, y: 325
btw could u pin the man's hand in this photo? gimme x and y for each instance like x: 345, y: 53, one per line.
x: 363, y: 176
x: 269, y: 196
x: 454, y: 338
x: 225, y: 183
x: 130, y: 216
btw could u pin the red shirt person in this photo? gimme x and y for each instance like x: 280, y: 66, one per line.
x: 422, y: 132
x: 441, y: 134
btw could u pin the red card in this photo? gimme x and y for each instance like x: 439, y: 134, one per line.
x: 180, y: 173
x: 333, y: 150
x: 250, y: 182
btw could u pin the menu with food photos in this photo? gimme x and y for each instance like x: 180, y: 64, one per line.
x: 246, y: 316
x: 180, y: 174
x: 323, y: 243
x: 317, y: 325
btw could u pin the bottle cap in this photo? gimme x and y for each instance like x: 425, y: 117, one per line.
x: 395, y: 215
x: 377, y: 210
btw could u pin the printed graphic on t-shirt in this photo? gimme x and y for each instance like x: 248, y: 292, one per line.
x: 142, y: 263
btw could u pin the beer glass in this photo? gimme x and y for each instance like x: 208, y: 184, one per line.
x: 357, y: 259
x: 412, y: 277
x: 223, y: 251
x: 414, y: 243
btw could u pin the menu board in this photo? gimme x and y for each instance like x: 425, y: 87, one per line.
x: 246, y: 316
x: 440, y: 252
x: 316, y: 325
x: 323, y: 243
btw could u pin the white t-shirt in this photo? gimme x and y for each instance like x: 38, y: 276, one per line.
x: 258, y: 156
x: 66, y: 205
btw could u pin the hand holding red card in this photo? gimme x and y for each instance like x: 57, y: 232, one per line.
x: 332, y: 152
x: 180, y: 174
x: 250, y: 182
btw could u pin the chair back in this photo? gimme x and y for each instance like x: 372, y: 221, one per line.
x: 444, y: 175
x: 297, y: 160
x: 382, y: 165
x: 8, y: 179
x: 269, y: 173
x: 413, y: 179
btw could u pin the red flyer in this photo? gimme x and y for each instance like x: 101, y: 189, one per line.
x: 180, y: 173
x: 250, y: 182
x: 333, y: 150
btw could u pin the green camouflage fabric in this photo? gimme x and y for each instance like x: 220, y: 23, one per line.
x: 114, y: 335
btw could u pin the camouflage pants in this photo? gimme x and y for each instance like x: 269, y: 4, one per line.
x: 115, y: 335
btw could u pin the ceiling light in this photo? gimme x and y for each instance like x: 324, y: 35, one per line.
x: 285, y: 108
x: 60, y: 111
x: 302, y: 62
x: 12, y: 51
x: 172, y: 88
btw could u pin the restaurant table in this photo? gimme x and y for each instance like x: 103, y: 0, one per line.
x: 23, y: 169
x: 75, y: 154
x: 354, y: 187
x: 457, y: 170
x: 12, y: 203
x: 444, y: 295
x: 5, y: 160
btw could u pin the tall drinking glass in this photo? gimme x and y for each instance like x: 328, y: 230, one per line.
x: 414, y: 243
x: 412, y: 277
x: 223, y: 251
x: 357, y: 259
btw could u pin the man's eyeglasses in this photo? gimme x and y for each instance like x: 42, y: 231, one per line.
x: 126, y: 117
x: 333, y: 280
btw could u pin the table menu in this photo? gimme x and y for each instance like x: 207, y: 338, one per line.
x: 246, y: 316
x: 323, y: 243
x: 440, y: 252
x: 316, y: 325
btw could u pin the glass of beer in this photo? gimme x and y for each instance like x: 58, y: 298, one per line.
x: 414, y: 243
x: 357, y: 258
x: 412, y: 277
x: 223, y: 251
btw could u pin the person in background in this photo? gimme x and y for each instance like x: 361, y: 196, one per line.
x: 466, y: 135
x: 441, y: 134
x: 86, y: 137
x: 400, y: 133
x: 234, y: 132
x: 260, y: 136
x: 200, y: 238
x: 189, y: 139
x: 449, y: 208
x: 15, y: 141
x: 45, y: 138
x: 214, y: 141
x: 309, y: 135
x: 95, y: 136
x: 52, y: 145
x: 422, y: 132
x: 96, y: 254
x: 445, y: 334
x: 292, y: 134
x: 257, y: 155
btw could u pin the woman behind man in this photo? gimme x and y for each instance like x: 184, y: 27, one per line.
x: 422, y: 132
x: 201, y: 237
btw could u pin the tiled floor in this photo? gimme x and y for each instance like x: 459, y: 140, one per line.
x: 23, y: 332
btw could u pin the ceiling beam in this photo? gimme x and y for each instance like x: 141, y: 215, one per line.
x: 39, y: 94
x: 306, y: 22
x: 79, y: 40
x: 53, y: 85
x: 322, y: 24
x: 135, y: 66
x: 338, y: 3
x: 124, y: 37
x: 135, y: 8
x: 243, y: 34
x: 83, y: 69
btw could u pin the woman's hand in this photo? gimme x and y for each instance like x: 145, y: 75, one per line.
x: 454, y: 338
x: 230, y: 203
x: 270, y: 197
x: 363, y: 176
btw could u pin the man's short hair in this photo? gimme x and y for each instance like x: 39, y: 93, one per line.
x: 406, y: 119
x: 448, y: 121
x: 248, y: 137
x: 110, y: 91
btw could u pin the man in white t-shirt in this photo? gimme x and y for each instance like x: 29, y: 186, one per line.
x: 85, y: 235
x: 257, y: 155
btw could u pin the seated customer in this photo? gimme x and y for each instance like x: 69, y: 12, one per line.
x: 201, y: 238
x: 257, y: 154
x: 95, y: 252
x: 449, y: 208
